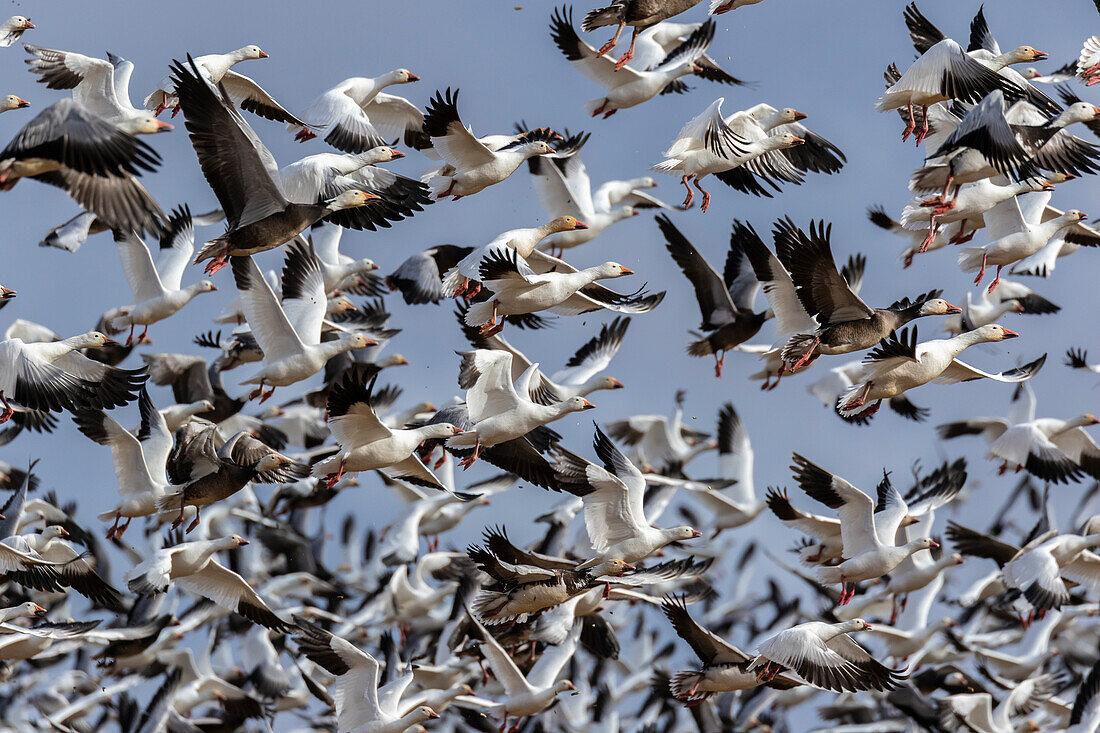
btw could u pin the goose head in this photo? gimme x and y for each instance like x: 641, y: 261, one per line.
x: 339, y: 304
x: 53, y: 532
x: 856, y: 624
x: 359, y: 341
x: 613, y: 567
x: 247, y: 53
x: 536, y: 147
x: 402, y: 76
x: 994, y: 332
x: 565, y: 224
x: 922, y: 543
x: 576, y: 404
x: 563, y: 686
x: 144, y: 124
x: 683, y: 532
x: 203, y: 286
x: 1074, y: 216
x: 1023, y: 55
x: 625, y: 212
x: 350, y: 200
x: 272, y: 462
x: 608, y: 383
x: 13, y: 102
x: 24, y: 610
x: 440, y: 430
x: 235, y: 541
x: 419, y: 715
x: 783, y: 141
x: 92, y: 340
x: 381, y: 154
x: 1079, y: 112
x: 784, y: 116
x: 610, y: 270
x: 644, y: 182
x: 1082, y: 421
x: 391, y: 361
x: 18, y: 22
x: 938, y: 307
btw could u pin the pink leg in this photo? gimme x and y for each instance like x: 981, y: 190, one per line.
x: 611, y: 44
x: 629, y: 52
x: 691, y: 194
x: 910, y: 125
x: 719, y: 360
x: 130, y: 338
x: 706, y: 196
x: 996, y: 280
x: 217, y: 263
x: 924, y: 125
x: 981, y: 273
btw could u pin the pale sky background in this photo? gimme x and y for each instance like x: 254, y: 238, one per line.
x: 824, y: 58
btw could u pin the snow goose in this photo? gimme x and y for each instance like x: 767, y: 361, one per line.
x: 366, y: 444
x: 11, y: 101
x: 73, y: 570
x: 877, y: 215
x: 12, y: 29
x: 614, y: 511
x: 326, y: 175
x: 53, y: 377
x: 192, y: 566
x: 984, y: 49
x: 847, y: 323
x: 868, y: 538
x: 291, y: 342
x: 139, y: 460
x: 711, y: 143
x: 244, y: 176
x: 627, y: 87
x: 970, y: 203
x: 93, y: 160
x: 725, y: 302
x: 943, y: 72
x: 349, y: 273
x: 156, y: 287
x: 498, y: 412
x: 825, y: 656
x: 519, y: 290
x: 975, y: 711
x: 361, y: 706
x: 902, y: 643
x: 723, y: 667
x: 458, y: 278
x: 204, y: 472
x: 356, y: 115
x: 529, y: 695
x: 216, y: 69
x: 900, y: 364
x: 1014, y: 235
x: 656, y: 42
x: 420, y: 277
x: 1086, y: 710
x: 738, y: 505
x: 564, y: 189
x: 1012, y: 297
x: 661, y: 442
x: 100, y: 86
x: 1063, y: 244
x: 581, y: 375
x: 1037, y: 571
x: 1078, y: 359
x: 1063, y: 73
x: 1088, y: 61
x: 192, y: 380
x: 640, y: 15
x: 471, y: 164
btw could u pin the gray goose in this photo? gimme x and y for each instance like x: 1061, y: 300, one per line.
x: 847, y: 323
x: 244, y: 176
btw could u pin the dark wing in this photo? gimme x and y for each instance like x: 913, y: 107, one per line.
x: 977, y: 544
x: 809, y: 258
x: 710, y: 648
x: 922, y: 31
x: 714, y: 300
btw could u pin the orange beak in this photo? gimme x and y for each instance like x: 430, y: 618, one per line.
x: 110, y: 342
x: 263, y: 54
x: 1039, y: 56
x: 396, y: 154
x: 869, y: 627
x: 696, y: 533
x: 579, y: 225
x: 799, y: 116
x: 953, y: 309
x: 935, y: 544
x: 588, y: 406
x: 6, y: 293
x: 163, y: 126
x: 799, y: 141
x: 30, y: 24
x: 616, y: 384
x: 22, y: 102
x: 39, y: 611
x: 413, y: 77
x: 403, y: 361
x: 627, y: 271
x: 213, y: 287
x: 243, y: 542
x: 1010, y: 334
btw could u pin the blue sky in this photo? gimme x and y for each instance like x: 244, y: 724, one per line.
x: 824, y: 58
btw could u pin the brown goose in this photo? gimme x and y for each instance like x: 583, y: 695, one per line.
x: 847, y: 323
x: 210, y: 473
x: 639, y: 14
x: 244, y: 176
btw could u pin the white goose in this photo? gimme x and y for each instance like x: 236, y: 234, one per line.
x: 614, y: 511
x: 868, y: 537
x: 12, y: 29
x: 291, y: 342
x: 216, y: 68
x: 519, y: 290
x: 1037, y: 571
x: 361, y: 706
x: 498, y: 411
x: 900, y: 364
x: 826, y: 656
x: 192, y: 566
x: 156, y: 287
x: 356, y: 115
x: 711, y: 144
x: 352, y: 273
x: 1015, y: 234
x: 100, y: 86
x: 471, y: 164
x: 366, y: 444
x: 139, y: 460
x: 523, y: 696
x: 627, y: 87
